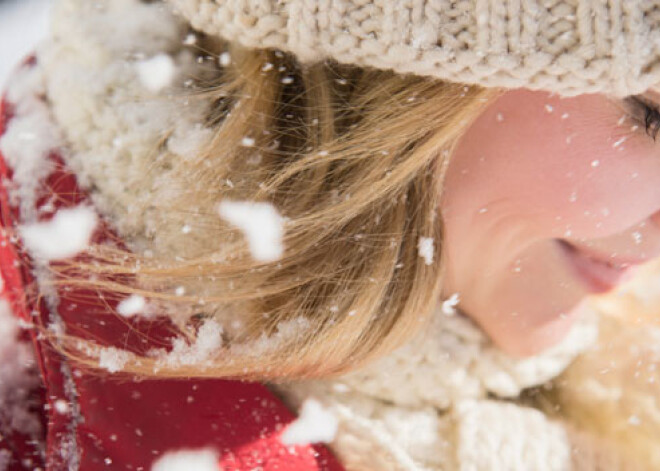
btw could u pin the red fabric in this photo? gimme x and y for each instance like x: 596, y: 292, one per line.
x: 22, y: 451
x: 119, y: 423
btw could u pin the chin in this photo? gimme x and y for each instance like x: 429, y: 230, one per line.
x: 529, y: 311
x: 538, y: 338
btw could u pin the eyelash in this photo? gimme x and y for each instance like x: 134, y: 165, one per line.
x: 651, y: 119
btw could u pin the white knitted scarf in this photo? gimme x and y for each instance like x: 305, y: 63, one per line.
x: 423, y: 407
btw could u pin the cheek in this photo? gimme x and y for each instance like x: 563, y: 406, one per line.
x: 563, y: 167
x: 532, y: 169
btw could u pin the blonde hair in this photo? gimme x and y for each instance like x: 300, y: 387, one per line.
x: 354, y: 159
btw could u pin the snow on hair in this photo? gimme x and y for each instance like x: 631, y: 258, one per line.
x: 353, y: 159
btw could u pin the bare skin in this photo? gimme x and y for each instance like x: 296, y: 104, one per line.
x: 548, y: 200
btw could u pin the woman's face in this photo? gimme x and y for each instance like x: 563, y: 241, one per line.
x: 547, y: 200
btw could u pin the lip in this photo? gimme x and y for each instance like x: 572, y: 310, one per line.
x: 599, y: 273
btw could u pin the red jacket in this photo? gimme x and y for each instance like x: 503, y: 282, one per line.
x: 99, y: 422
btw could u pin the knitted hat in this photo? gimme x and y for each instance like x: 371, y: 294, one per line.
x: 564, y: 46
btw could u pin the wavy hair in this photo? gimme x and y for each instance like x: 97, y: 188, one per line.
x: 354, y: 159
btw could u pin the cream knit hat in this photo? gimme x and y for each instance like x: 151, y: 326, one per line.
x: 564, y: 46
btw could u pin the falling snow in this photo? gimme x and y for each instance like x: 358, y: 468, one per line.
x: 61, y: 406
x: 206, y: 459
x: 190, y: 40
x: 426, y: 249
x: 64, y: 236
x: 449, y: 305
x: 207, y: 343
x: 157, y: 72
x: 314, y: 425
x: 131, y: 306
x: 113, y: 359
x: 261, y: 224
x: 225, y: 59
x: 619, y: 141
x: 247, y: 142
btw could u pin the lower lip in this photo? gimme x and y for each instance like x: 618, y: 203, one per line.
x: 600, y: 277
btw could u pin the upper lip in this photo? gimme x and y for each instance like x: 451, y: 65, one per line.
x: 601, y: 274
x: 619, y: 250
x: 614, y: 260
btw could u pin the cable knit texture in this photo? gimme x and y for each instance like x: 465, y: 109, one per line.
x: 453, y: 360
x: 564, y: 46
x: 448, y: 399
x: 425, y: 405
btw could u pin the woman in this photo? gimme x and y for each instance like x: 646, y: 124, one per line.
x: 276, y: 204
